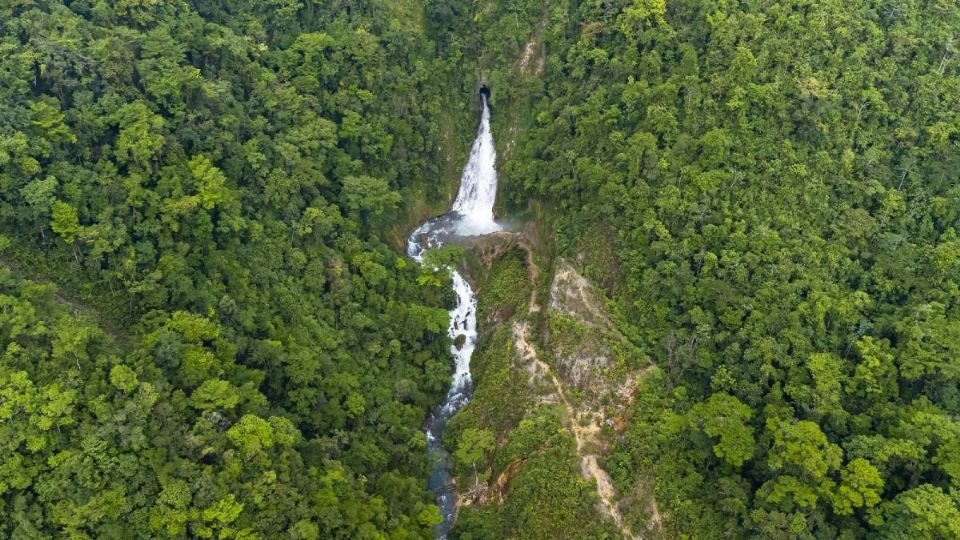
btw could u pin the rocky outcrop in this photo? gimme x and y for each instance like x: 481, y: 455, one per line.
x: 586, y: 346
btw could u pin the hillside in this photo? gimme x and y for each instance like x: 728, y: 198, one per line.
x: 721, y: 297
x: 767, y: 193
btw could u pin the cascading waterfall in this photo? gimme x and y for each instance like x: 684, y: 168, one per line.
x: 472, y: 215
x: 478, y: 184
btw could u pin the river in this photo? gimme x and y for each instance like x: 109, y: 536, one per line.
x: 471, y: 215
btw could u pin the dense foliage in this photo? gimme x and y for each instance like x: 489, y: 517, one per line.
x: 780, y: 183
x: 213, y: 180
x: 767, y: 191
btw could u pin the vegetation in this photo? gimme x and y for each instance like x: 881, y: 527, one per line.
x: 500, y: 397
x: 548, y: 498
x: 213, y: 179
x: 514, y: 457
x: 778, y: 182
x: 204, y: 331
x: 505, y: 289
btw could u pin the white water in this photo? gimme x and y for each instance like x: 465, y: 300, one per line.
x: 472, y: 215
x: 478, y: 184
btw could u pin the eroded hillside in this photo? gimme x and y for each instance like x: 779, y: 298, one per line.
x: 554, y: 377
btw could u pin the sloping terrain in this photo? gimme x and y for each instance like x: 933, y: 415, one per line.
x: 569, y: 361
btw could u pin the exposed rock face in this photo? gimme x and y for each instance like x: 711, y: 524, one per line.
x: 585, y: 344
x: 564, y: 340
x: 583, y: 422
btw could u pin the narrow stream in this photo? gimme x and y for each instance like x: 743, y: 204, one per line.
x: 472, y: 215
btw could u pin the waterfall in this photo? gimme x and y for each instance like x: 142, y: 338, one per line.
x: 478, y: 184
x: 472, y: 215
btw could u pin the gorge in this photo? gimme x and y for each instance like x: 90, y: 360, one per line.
x: 472, y: 215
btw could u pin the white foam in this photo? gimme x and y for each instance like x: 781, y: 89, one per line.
x: 478, y: 183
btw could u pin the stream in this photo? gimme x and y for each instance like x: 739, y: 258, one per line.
x: 471, y: 215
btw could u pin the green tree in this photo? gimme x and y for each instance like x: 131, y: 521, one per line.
x: 922, y: 512
x: 65, y: 221
x: 724, y: 416
x: 472, y: 447
x: 123, y: 378
x: 860, y: 486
